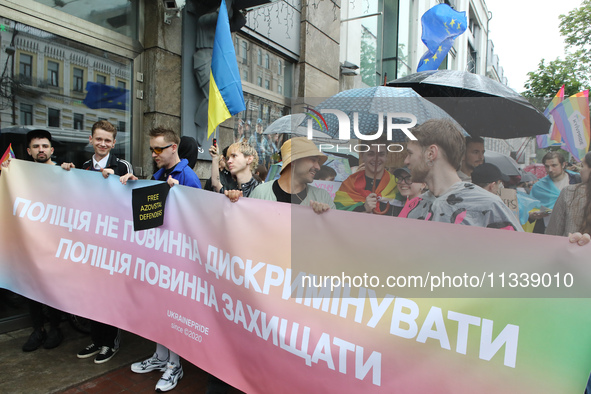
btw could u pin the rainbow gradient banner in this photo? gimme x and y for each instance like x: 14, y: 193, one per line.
x: 234, y: 289
x: 571, y: 117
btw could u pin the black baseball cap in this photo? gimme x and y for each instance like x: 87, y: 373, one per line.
x: 488, y: 173
x: 38, y: 133
x: 399, y: 172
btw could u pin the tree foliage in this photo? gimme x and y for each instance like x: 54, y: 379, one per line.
x: 576, y: 28
x: 574, y: 70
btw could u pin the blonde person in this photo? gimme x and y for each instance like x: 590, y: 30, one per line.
x: 242, y: 161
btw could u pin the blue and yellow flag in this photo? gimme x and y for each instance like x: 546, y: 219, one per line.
x: 225, y: 88
x: 105, y: 96
x: 441, y: 25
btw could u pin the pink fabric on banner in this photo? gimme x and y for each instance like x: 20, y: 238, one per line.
x: 223, y: 285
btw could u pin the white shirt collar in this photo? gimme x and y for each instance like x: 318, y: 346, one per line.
x: 100, y: 164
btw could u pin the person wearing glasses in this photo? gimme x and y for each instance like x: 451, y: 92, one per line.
x: 409, y: 190
x: 164, y: 144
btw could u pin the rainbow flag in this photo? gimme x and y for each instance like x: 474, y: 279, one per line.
x: 553, y: 136
x: 225, y: 88
x: 571, y: 117
x: 9, y: 154
x: 352, y: 193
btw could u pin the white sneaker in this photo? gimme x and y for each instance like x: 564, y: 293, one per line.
x: 170, y: 378
x: 149, y: 365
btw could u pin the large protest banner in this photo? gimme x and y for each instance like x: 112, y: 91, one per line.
x: 215, y: 284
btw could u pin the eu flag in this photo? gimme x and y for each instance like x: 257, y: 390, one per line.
x: 105, y: 96
x: 225, y: 88
x: 441, y: 25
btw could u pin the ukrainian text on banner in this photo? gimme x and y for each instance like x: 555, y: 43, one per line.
x: 214, y: 282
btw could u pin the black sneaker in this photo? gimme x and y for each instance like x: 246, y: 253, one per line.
x: 35, y: 340
x: 54, y: 338
x: 105, y: 354
x: 88, y: 351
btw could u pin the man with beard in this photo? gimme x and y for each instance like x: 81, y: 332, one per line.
x: 473, y: 157
x: 371, y: 189
x: 301, y: 161
x: 547, y: 189
x: 39, y: 147
x: 434, y: 159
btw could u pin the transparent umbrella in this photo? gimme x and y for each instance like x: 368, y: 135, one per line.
x: 371, y: 106
x: 291, y: 124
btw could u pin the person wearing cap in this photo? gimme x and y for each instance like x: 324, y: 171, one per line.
x: 362, y: 190
x: 434, y: 159
x: 409, y: 190
x: 489, y: 177
x: 39, y: 147
x: 301, y: 162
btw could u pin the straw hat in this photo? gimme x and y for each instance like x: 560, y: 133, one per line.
x: 298, y: 148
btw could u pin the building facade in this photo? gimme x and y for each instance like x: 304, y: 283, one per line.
x: 289, y: 53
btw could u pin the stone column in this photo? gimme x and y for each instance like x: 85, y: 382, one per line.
x: 319, y: 61
x: 161, y: 105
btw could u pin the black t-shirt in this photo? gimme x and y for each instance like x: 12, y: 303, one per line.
x: 283, y: 196
x: 165, y: 174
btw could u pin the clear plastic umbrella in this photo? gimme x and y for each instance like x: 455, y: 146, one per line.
x: 291, y: 124
x: 367, y: 104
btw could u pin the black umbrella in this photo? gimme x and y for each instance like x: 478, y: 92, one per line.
x: 482, y: 106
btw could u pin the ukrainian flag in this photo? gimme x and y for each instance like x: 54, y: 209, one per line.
x: 225, y: 88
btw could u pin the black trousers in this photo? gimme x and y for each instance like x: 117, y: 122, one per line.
x: 104, y: 334
x: 38, y: 317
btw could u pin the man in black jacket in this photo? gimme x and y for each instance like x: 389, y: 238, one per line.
x: 105, y: 338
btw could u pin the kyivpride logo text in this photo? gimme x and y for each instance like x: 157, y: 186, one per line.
x: 344, y: 129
